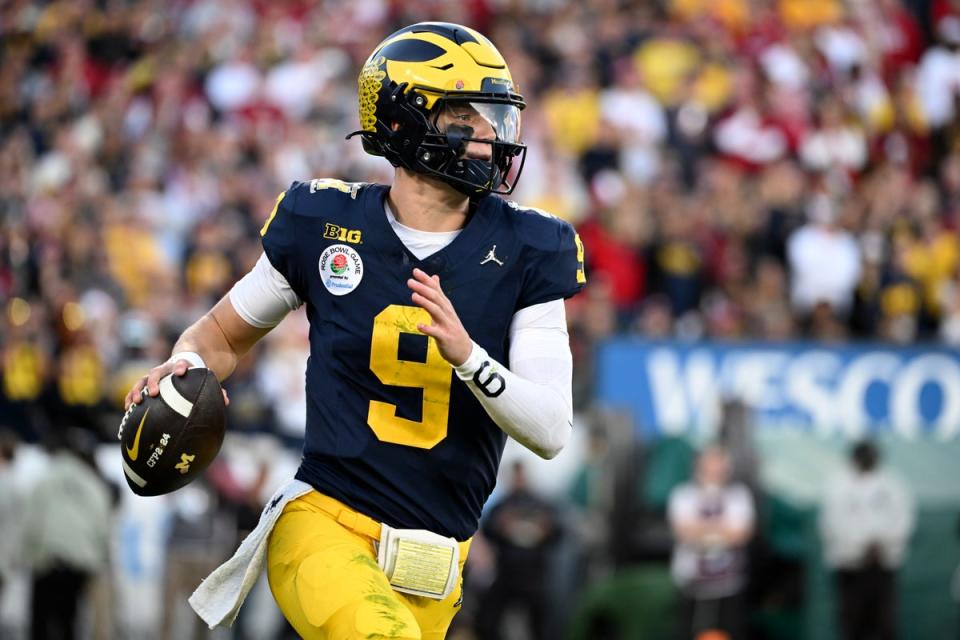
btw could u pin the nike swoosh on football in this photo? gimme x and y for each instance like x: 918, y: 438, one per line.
x: 134, y: 451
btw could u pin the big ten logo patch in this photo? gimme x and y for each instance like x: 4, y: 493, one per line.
x: 336, y: 232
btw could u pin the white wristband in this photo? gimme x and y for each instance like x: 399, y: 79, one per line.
x: 196, y: 362
x: 477, y: 356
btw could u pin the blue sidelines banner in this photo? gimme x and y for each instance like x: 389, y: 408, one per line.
x: 678, y: 388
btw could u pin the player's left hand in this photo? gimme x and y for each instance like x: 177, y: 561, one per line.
x: 452, y: 339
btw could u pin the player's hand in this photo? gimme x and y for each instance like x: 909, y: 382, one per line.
x: 151, y: 382
x: 452, y: 339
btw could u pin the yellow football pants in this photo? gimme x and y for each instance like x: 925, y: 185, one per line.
x: 324, y: 575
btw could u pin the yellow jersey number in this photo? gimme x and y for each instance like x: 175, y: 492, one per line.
x: 434, y: 376
x: 581, y: 271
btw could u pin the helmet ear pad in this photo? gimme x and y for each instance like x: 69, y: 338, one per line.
x: 400, y: 129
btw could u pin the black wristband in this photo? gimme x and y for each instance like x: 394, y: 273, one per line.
x: 491, y: 380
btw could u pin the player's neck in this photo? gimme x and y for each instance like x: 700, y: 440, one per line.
x: 426, y: 204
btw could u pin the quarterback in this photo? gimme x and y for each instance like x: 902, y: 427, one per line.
x: 437, y: 329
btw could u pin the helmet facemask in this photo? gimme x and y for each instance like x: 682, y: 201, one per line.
x: 472, y: 145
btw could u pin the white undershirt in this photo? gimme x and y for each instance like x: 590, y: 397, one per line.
x: 420, y: 243
x: 535, y: 406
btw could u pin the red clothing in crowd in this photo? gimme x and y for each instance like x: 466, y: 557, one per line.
x: 619, y: 264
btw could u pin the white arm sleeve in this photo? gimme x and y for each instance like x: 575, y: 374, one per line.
x: 532, y: 401
x: 263, y: 297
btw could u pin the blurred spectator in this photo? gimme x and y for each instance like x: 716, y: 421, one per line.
x: 712, y: 520
x: 939, y: 72
x: 866, y: 522
x: 805, y: 14
x: 66, y: 526
x: 198, y: 538
x: 616, y: 236
x: 592, y: 494
x: 768, y: 314
x: 279, y: 378
x: 824, y: 260
x: 950, y: 299
x: 12, y: 503
x: 639, y: 121
x: 656, y: 320
x: 900, y: 296
x: 591, y: 319
x: 751, y: 134
x: 677, y: 260
x: 834, y: 143
x: 522, y: 529
x: 573, y: 110
x: 737, y: 438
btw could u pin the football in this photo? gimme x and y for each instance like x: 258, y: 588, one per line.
x: 168, y: 440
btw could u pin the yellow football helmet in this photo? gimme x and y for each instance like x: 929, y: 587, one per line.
x: 434, y: 68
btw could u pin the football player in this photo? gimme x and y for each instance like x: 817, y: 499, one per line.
x: 437, y: 329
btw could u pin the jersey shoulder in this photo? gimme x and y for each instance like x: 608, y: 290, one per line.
x: 552, y: 252
x: 538, y: 229
x: 301, y: 213
x: 322, y: 197
x: 329, y: 199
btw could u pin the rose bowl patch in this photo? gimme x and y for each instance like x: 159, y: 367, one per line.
x: 341, y: 269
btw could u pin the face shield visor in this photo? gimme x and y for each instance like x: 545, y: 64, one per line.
x: 480, y: 121
x: 503, y: 118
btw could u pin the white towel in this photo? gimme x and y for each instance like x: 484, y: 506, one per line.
x: 218, y: 598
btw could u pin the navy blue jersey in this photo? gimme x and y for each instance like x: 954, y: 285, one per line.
x: 391, y: 431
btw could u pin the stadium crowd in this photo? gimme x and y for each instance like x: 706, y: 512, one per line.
x: 737, y: 169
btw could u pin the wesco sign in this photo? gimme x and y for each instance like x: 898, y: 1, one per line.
x: 673, y: 388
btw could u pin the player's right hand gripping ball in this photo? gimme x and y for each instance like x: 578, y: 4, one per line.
x: 167, y: 441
